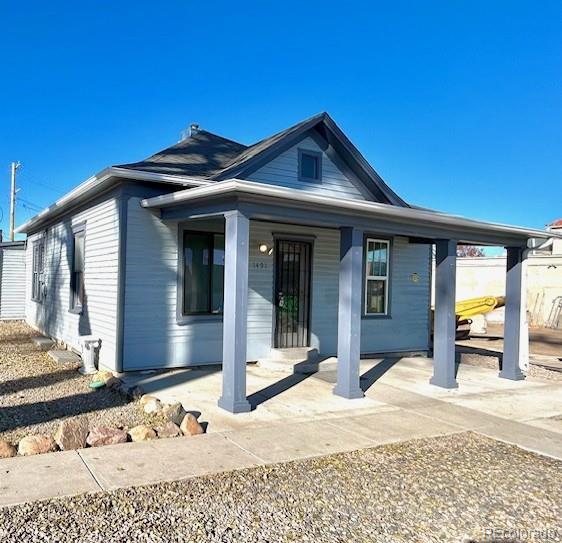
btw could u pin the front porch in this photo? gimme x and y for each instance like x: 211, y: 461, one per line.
x: 399, y: 402
x: 248, y: 203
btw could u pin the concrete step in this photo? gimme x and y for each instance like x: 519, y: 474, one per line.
x: 288, y: 359
x: 44, y: 343
x: 64, y: 357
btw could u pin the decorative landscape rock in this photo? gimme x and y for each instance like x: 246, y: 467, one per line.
x: 72, y: 433
x: 142, y: 433
x: 133, y: 392
x: 146, y: 398
x: 7, y: 450
x: 113, y: 382
x: 102, y: 435
x: 152, y: 407
x: 190, y: 427
x: 168, y: 430
x: 31, y: 445
x: 174, y: 412
x: 103, y: 376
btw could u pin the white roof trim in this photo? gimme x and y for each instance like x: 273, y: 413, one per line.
x: 100, y: 182
x: 381, y: 210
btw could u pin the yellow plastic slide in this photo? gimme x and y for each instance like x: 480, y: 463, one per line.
x: 478, y: 306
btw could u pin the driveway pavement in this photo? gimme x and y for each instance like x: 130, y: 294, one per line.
x: 298, y: 417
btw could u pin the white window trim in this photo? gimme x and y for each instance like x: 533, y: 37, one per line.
x: 385, y: 278
x: 38, y: 268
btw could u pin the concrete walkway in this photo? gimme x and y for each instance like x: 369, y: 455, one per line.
x: 297, y: 418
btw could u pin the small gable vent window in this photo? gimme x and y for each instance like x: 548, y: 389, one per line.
x: 310, y: 166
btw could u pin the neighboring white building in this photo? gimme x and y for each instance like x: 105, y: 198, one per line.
x: 485, y: 276
x: 12, y: 280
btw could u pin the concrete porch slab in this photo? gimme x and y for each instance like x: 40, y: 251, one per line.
x: 30, y: 478
x: 525, y: 403
x: 292, y: 441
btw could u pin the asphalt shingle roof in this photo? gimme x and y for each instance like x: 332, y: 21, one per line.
x: 212, y: 157
x: 203, y: 154
x: 207, y: 155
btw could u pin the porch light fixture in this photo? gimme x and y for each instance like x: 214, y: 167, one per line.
x: 265, y: 249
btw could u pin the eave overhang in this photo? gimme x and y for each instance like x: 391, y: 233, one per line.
x: 463, y: 229
x: 98, y: 184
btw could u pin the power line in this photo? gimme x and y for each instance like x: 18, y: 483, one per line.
x: 27, y: 203
x: 45, y: 185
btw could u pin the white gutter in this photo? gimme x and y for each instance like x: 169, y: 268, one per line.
x: 382, y: 210
x: 100, y: 182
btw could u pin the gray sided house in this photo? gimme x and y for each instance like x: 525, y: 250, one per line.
x: 211, y: 251
x: 12, y: 283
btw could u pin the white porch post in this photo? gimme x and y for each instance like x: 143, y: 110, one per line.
x: 514, y: 308
x: 349, y: 313
x: 235, y: 317
x: 444, y: 324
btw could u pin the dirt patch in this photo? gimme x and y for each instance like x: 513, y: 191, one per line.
x: 36, y: 392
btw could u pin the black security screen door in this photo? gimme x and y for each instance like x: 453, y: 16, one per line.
x: 292, y: 293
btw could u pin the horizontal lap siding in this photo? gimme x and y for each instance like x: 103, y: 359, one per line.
x: 100, y: 279
x: 407, y: 328
x: 324, y: 299
x: 152, y: 336
x: 283, y: 171
x: 12, y: 287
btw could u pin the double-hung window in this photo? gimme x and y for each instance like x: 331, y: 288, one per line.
x: 77, y: 270
x: 376, y: 276
x: 37, y: 271
x: 203, y: 273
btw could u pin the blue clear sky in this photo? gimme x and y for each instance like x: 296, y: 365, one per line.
x: 458, y: 105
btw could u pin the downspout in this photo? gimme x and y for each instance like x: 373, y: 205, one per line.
x: 121, y: 274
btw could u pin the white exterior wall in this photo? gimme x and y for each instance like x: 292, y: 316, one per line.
x: 283, y: 171
x: 12, y: 283
x: 99, y: 318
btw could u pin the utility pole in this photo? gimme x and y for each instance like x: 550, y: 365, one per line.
x: 15, y: 166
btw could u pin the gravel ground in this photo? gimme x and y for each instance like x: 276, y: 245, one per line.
x: 442, y: 489
x: 36, y: 392
x: 492, y: 362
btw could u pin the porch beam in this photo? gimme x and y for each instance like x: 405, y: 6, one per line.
x: 349, y: 313
x: 444, y: 324
x: 235, y: 316
x: 513, y: 352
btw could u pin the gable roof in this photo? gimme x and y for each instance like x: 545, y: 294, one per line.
x: 206, y: 158
x: 215, y: 158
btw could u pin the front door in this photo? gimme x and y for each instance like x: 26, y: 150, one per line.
x: 292, y: 293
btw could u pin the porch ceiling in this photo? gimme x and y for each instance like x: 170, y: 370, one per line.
x: 266, y: 202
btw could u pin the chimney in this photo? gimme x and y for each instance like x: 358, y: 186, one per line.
x: 188, y: 132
